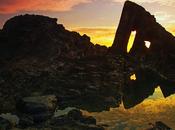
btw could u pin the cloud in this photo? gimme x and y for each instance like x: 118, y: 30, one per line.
x: 162, y: 2
x: 13, y: 6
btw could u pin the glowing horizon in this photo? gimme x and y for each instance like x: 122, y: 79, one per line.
x: 85, y: 16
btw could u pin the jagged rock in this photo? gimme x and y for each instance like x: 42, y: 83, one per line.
x: 39, y: 108
x: 5, y: 124
x: 136, y: 18
x: 161, y: 52
x: 159, y: 57
x: 39, y: 55
x: 75, y: 120
x: 159, y: 126
x: 41, y: 37
x: 13, y: 119
x: 26, y: 121
x: 135, y: 91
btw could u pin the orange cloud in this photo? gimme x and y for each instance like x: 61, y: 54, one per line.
x: 13, y: 6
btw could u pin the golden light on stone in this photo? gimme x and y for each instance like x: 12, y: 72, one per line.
x: 131, y: 41
x: 147, y: 44
x: 133, y: 77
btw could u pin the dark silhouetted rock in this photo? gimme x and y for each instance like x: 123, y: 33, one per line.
x: 25, y: 121
x: 136, y: 18
x: 5, y: 124
x: 39, y: 108
x: 160, y: 56
x: 159, y: 126
x: 40, y: 56
x: 75, y: 120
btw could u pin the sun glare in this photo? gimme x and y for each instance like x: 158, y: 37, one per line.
x: 131, y: 41
x: 147, y: 44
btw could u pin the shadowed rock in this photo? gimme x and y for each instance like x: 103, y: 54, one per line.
x: 159, y: 126
x: 37, y: 55
x: 136, y: 18
x: 159, y: 57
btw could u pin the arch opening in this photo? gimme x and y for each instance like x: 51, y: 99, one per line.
x: 147, y: 44
x: 131, y: 40
x: 133, y: 77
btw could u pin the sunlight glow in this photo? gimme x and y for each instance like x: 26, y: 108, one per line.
x: 131, y: 41
x: 147, y: 44
x: 133, y: 77
x: 99, y: 35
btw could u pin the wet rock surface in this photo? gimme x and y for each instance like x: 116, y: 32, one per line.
x: 159, y: 126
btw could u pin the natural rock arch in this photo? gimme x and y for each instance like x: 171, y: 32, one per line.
x: 136, y: 18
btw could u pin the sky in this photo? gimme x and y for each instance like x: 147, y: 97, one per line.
x: 96, y: 18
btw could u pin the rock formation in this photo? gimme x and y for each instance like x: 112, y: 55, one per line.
x: 40, y: 57
x: 37, y: 55
x: 136, y: 18
x: 159, y: 57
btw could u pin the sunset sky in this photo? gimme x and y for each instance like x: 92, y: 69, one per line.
x: 97, y: 18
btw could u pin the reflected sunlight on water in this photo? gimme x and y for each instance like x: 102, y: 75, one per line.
x: 155, y: 108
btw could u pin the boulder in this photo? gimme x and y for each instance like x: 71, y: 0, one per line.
x: 159, y: 125
x: 13, y: 119
x: 5, y: 124
x: 40, y: 108
x: 75, y: 120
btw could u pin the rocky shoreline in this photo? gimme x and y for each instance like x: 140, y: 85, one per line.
x: 44, y: 67
x: 40, y: 112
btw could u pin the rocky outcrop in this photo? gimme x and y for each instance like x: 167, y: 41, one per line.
x: 41, y: 37
x: 159, y: 57
x: 75, y: 120
x: 161, y: 51
x: 136, y: 18
x: 5, y: 124
x: 38, y: 108
x: 159, y: 126
x: 38, y: 55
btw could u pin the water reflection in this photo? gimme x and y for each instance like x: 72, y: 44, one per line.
x: 143, y: 103
x: 154, y: 108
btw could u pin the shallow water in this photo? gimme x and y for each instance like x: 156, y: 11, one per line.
x: 154, y: 108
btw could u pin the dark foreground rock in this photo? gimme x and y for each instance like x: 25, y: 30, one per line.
x: 5, y: 124
x: 159, y: 126
x: 38, y: 55
x: 36, y: 109
x: 73, y: 120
